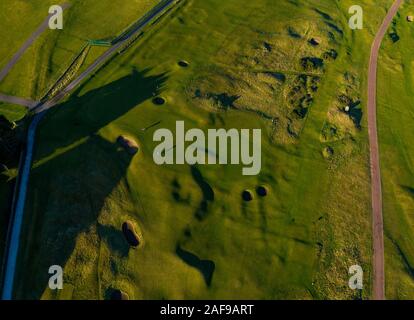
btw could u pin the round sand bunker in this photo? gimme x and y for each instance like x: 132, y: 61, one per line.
x: 128, y: 144
x: 247, y: 195
x: 159, y: 101
x: 262, y: 191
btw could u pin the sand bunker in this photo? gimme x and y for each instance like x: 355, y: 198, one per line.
x: 315, y: 41
x: 128, y: 144
x: 119, y: 295
x: 159, y: 101
x: 183, y: 63
x: 262, y: 191
x: 130, y: 235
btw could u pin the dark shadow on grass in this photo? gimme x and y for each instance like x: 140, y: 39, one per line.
x: 323, y: 14
x: 115, y: 240
x: 409, y: 190
x: 84, y: 115
x: 206, y: 267
x: 69, y: 193
x: 206, y: 189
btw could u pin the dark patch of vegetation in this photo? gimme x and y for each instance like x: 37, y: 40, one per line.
x: 290, y: 129
x: 331, y: 54
x: 315, y: 41
x: 176, y: 193
x: 130, y: 234
x: 355, y: 111
x: 159, y: 101
x: 117, y: 294
x: 293, y: 33
x: 323, y: 14
x: 410, y: 190
x: 328, y: 152
x: 302, y: 110
x: 247, y: 195
x: 278, y: 76
x: 335, y: 28
x: 221, y: 100
x: 311, y: 63
x: 206, y: 267
x: 207, y: 190
x: 128, y: 144
x: 262, y: 191
x: 394, y: 36
x: 9, y: 142
x: 267, y: 46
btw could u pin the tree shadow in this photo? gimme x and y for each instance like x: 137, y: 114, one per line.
x: 84, y: 115
x: 77, y: 194
x: 71, y: 192
x: 115, y: 239
x: 207, y: 190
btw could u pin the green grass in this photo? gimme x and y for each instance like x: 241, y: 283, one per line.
x: 12, y: 112
x: 297, y: 243
x: 395, y: 121
x: 12, y: 29
x: 50, y: 55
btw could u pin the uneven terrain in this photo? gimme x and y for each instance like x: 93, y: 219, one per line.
x: 294, y: 70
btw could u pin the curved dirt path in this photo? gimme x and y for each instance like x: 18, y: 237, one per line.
x: 376, y: 191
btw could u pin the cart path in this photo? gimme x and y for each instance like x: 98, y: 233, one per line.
x: 376, y: 190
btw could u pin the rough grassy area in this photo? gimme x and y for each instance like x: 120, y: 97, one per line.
x: 395, y: 120
x: 250, y: 66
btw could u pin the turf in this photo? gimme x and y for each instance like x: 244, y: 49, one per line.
x: 395, y: 123
x: 250, y: 66
x: 12, y: 112
x: 51, y: 54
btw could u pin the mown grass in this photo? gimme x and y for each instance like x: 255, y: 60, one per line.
x: 296, y: 243
x: 50, y: 55
x: 395, y: 122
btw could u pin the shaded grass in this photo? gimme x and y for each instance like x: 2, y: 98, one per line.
x: 297, y: 243
x: 395, y: 121
x: 12, y: 112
